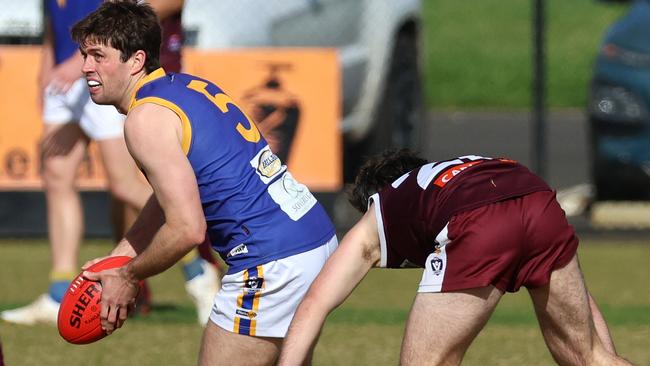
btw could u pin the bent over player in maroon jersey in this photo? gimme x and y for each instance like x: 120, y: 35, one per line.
x: 479, y: 227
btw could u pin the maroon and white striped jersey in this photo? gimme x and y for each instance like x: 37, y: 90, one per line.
x: 416, y: 207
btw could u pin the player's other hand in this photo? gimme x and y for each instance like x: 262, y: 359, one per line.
x: 118, y: 296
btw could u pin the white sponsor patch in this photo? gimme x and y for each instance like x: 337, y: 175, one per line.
x: 294, y: 198
x: 240, y: 249
x: 267, y: 165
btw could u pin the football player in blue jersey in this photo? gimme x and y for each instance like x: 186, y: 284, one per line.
x: 211, y: 171
x: 479, y: 227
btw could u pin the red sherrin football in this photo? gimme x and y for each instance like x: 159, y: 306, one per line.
x: 78, y: 320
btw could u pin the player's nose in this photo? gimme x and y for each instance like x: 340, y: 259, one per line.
x: 88, y: 65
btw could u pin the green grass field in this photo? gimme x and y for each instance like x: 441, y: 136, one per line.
x: 367, y: 330
x: 478, y: 54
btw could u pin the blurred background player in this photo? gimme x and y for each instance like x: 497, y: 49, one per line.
x: 71, y: 120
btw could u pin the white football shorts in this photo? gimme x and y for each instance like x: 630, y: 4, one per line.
x: 99, y: 122
x: 261, y: 301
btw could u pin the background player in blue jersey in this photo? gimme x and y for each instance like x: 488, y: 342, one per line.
x: 479, y: 227
x: 211, y: 170
x: 72, y: 119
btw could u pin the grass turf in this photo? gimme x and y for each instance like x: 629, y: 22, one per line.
x: 366, y: 330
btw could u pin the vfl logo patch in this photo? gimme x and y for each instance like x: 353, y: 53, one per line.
x: 437, y: 265
x: 254, y: 284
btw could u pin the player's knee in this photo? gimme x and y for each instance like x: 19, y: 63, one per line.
x: 56, y: 176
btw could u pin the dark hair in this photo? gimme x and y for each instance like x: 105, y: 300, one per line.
x: 125, y: 25
x: 379, y: 171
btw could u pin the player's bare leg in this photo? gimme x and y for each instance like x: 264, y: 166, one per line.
x: 63, y: 148
x: 566, y: 321
x: 124, y: 179
x: 221, y: 347
x: 441, y: 326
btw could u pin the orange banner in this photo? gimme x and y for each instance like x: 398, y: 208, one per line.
x: 293, y: 94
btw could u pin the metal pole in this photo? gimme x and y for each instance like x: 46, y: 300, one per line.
x: 539, y: 111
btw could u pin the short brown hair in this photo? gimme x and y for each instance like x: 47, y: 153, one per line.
x: 127, y: 26
x: 379, y: 171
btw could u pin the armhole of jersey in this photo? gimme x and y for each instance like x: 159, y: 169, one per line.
x: 185, y: 121
x: 380, y: 230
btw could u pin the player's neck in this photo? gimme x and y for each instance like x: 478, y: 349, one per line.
x: 129, y: 92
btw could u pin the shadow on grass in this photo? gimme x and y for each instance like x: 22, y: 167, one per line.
x: 169, y: 313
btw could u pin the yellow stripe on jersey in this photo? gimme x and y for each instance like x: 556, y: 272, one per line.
x: 185, y: 121
x: 236, y: 326
x: 256, y: 300
x: 156, y: 74
x: 252, y: 328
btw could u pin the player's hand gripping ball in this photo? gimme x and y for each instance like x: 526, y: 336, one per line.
x: 79, y: 321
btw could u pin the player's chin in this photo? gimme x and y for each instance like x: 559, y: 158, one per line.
x: 97, y: 99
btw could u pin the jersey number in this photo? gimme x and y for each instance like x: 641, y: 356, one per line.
x: 221, y: 100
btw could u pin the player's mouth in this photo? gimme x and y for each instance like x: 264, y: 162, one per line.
x: 93, y: 84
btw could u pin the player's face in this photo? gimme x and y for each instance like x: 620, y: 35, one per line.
x: 107, y: 76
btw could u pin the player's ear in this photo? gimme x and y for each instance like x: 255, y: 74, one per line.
x: 137, y: 61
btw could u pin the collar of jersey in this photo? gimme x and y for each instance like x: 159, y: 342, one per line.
x: 156, y: 74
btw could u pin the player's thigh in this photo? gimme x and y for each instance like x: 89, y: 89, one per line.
x: 221, y: 347
x: 118, y: 162
x: 63, y: 147
x: 441, y: 326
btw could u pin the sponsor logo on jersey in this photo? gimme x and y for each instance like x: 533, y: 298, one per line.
x: 293, y: 188
x: 450, y: 173
x: 437, y: 265
x: 294, y: 198
x: 440, y: 173
x: 254, y: 284
x: 247, y: 313
x: 269, y: 164
x: 240, y: 249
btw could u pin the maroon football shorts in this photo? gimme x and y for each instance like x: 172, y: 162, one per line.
x: 508, y: 244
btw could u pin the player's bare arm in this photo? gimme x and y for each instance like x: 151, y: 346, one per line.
x: 358, y: 252
x: 601, y: 326
x: 153, y: 137
x: 153, y: 134
x: 144, y: 228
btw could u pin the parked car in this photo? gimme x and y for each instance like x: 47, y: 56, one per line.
x: 618, y: 109
x: 378, y: 43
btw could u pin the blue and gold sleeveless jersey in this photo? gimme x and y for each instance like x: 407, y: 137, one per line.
x: 255, y: 210
x: 63, y: 14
